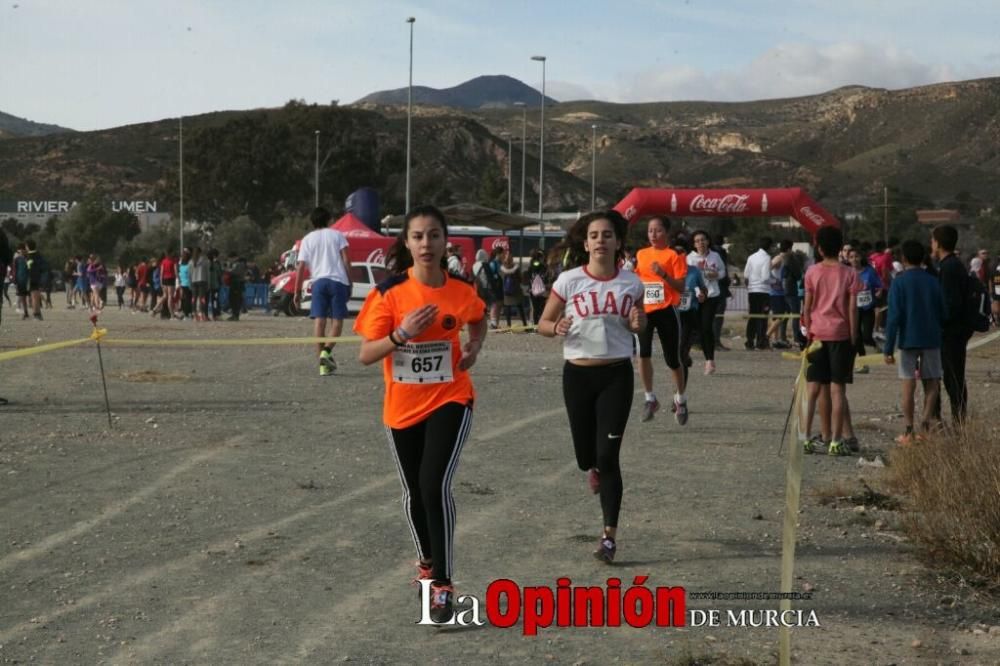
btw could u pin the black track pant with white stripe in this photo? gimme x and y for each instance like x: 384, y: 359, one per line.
x: 598, y: 399
x: 426, y: 456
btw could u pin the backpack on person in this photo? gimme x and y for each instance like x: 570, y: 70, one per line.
x: 977, y: 304
x: 510, y: 284
x: 482, y: 279
x: 537, y: 286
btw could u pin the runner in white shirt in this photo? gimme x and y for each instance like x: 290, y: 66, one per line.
x: 596, y: 308
x: 324, y: 251
x: 713, y: 269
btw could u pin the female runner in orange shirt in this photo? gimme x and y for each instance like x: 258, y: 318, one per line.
x: 412, y: 322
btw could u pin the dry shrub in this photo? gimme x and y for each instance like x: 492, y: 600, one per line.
x: 952, y: 482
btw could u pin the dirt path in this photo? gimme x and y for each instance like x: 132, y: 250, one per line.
x: 245, y: 511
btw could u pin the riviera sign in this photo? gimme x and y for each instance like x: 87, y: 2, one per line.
x: 62, y: 207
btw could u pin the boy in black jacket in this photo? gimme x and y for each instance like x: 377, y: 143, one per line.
x: 956, y: 332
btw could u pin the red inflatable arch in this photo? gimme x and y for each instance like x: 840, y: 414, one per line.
x: 791, y: 202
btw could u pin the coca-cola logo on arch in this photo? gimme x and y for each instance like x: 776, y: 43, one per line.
x: 813, y: 216
x: 729, y: 203
x: 377, y: 257
x: 500, y: 242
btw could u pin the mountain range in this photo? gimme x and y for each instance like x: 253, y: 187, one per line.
x: 14, y: 126
x: 482, y: 92
x: 931, y: 144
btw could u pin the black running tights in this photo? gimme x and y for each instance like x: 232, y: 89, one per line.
x: 598, y: 400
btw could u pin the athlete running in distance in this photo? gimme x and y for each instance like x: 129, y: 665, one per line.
x: 662, y: 272
x: 412, y: 322
x: 596, y: 308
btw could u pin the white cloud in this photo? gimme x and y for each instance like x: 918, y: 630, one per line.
x: 790, y: 70
x: 565, y: 91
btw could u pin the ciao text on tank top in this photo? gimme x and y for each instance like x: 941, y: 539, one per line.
x: 600, y: 309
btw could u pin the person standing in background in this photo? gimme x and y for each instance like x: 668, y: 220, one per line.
x: 724, y: 293
x: 237, y: 283
x: 121, y: 278
x: 214, y: 283
x: 956, y: 333
x: 757, y: 275
x: 538, y: 284
x: 199, y: 284
x: 70, y: 281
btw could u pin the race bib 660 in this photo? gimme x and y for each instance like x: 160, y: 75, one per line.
x: 653, y: 293
x: 422, y: 363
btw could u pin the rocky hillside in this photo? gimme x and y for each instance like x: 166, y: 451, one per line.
x: 11, y: 126
x: 934, y: 142
x: 844, y: 145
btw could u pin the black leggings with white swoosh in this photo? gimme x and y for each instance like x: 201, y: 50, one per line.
x: 598, y: 401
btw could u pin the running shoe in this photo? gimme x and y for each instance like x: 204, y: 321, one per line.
x: 852, y: 445
x: 838, y: 448
x: 861, y: 369
x: 442, y: 603
x: 606, y: 550
x: 424, y: 572
x: 649, y: 409
x: 326, y: 359
x: 594, y: 479
x: 324, y: 371
x: 709, y: 367
x: 680, y: 412
x: 813, y: 444
x: 38, y: 316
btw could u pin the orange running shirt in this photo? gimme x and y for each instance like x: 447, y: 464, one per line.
x: 420, y: 377
x: 658, y: 294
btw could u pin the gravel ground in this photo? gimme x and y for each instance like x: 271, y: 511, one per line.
x: 244, y: 510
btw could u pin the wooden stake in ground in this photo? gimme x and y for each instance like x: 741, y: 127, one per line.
x: 96, y: 335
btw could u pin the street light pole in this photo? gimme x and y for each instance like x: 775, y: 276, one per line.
x: 541, y: 158
x: 409, y: 116
x: 593, y: 166
x: 180, y: 161
x: 317, y: 170
x: 524, y: 138
x: 510, y: 174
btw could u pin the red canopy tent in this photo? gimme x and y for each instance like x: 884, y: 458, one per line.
x: 352, y: 227
x: 790, y: 202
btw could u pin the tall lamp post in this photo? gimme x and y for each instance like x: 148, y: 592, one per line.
x: 409, y: 116
x: 510, y: 173
x: 593, y: 166
x: 317, y: 170
x: 180, y: 161
x: 541, y: 157
x: 524, y: 138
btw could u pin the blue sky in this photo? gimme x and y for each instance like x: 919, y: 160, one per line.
x: 91, y: 64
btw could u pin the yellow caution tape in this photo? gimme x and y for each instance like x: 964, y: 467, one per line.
x: 793, y: 489
x: 41, y: 349
x: 235, y: 342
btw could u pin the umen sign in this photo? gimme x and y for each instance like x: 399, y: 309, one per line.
x: 791, y: 202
